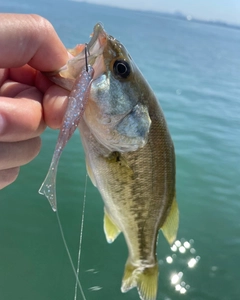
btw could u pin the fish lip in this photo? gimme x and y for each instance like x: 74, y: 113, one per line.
x: 99, y: 35
x: 95, y: 49
x: 97, y: 44
x: 75, y: 65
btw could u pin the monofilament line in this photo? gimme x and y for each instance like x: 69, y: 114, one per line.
x: 81, y: 236
x: 69, y: 256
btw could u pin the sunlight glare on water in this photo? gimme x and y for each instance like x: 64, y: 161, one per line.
x: 181, y: 252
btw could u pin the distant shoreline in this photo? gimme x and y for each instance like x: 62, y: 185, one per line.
x: 189, y: 18
x: 177, y: 15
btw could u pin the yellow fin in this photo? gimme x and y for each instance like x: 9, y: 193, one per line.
x: 170, y: 227
x: 110, y: 229
x: 144, y: 278
x: 90, y: 173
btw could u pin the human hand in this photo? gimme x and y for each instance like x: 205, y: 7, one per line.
x: 28, y: 101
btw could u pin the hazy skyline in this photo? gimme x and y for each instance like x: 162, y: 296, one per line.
x: 220, y: 10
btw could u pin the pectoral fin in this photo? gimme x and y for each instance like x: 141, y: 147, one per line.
x: 90, y: 173
x: 110, y: 229
x: 170, y: 227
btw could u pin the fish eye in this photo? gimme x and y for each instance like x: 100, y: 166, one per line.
x: 121, y: 68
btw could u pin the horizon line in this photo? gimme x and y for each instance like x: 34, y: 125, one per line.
x: 178, y: 14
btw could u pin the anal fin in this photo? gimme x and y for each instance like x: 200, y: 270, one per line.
x: 110, y: 229
x: 170, y: 227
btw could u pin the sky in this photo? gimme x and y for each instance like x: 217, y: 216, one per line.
x: 220, y: 10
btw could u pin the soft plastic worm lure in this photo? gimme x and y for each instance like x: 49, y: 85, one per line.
x: 77, y: 101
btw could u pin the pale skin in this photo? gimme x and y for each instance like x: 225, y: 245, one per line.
x: 28, y: 101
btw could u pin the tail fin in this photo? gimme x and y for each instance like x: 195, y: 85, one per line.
x: 144, y: 278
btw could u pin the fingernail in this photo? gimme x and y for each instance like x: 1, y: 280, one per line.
x: 2, y: 124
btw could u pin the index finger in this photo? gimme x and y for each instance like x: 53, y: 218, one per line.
x: 30, y: 39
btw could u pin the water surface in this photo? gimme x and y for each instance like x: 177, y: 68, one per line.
x: 194, y: 70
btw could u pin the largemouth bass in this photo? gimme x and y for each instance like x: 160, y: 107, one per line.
x: 129, y: 155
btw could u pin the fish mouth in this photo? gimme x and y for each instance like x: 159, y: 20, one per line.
x: 95, y: 49
x: 76, y: 64
x: 98, y: 40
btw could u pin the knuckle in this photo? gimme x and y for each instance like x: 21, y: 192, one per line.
x: 41, y: 21
x: 8, y: 176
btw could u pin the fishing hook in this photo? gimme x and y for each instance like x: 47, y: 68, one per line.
x: 86, y: 53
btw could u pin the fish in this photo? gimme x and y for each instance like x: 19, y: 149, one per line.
x: 129, y: 153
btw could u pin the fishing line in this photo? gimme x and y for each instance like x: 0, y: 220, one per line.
x: 69, y: 256
x: 81, y: 235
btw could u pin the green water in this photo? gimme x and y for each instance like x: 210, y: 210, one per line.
x: 194, y: 71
